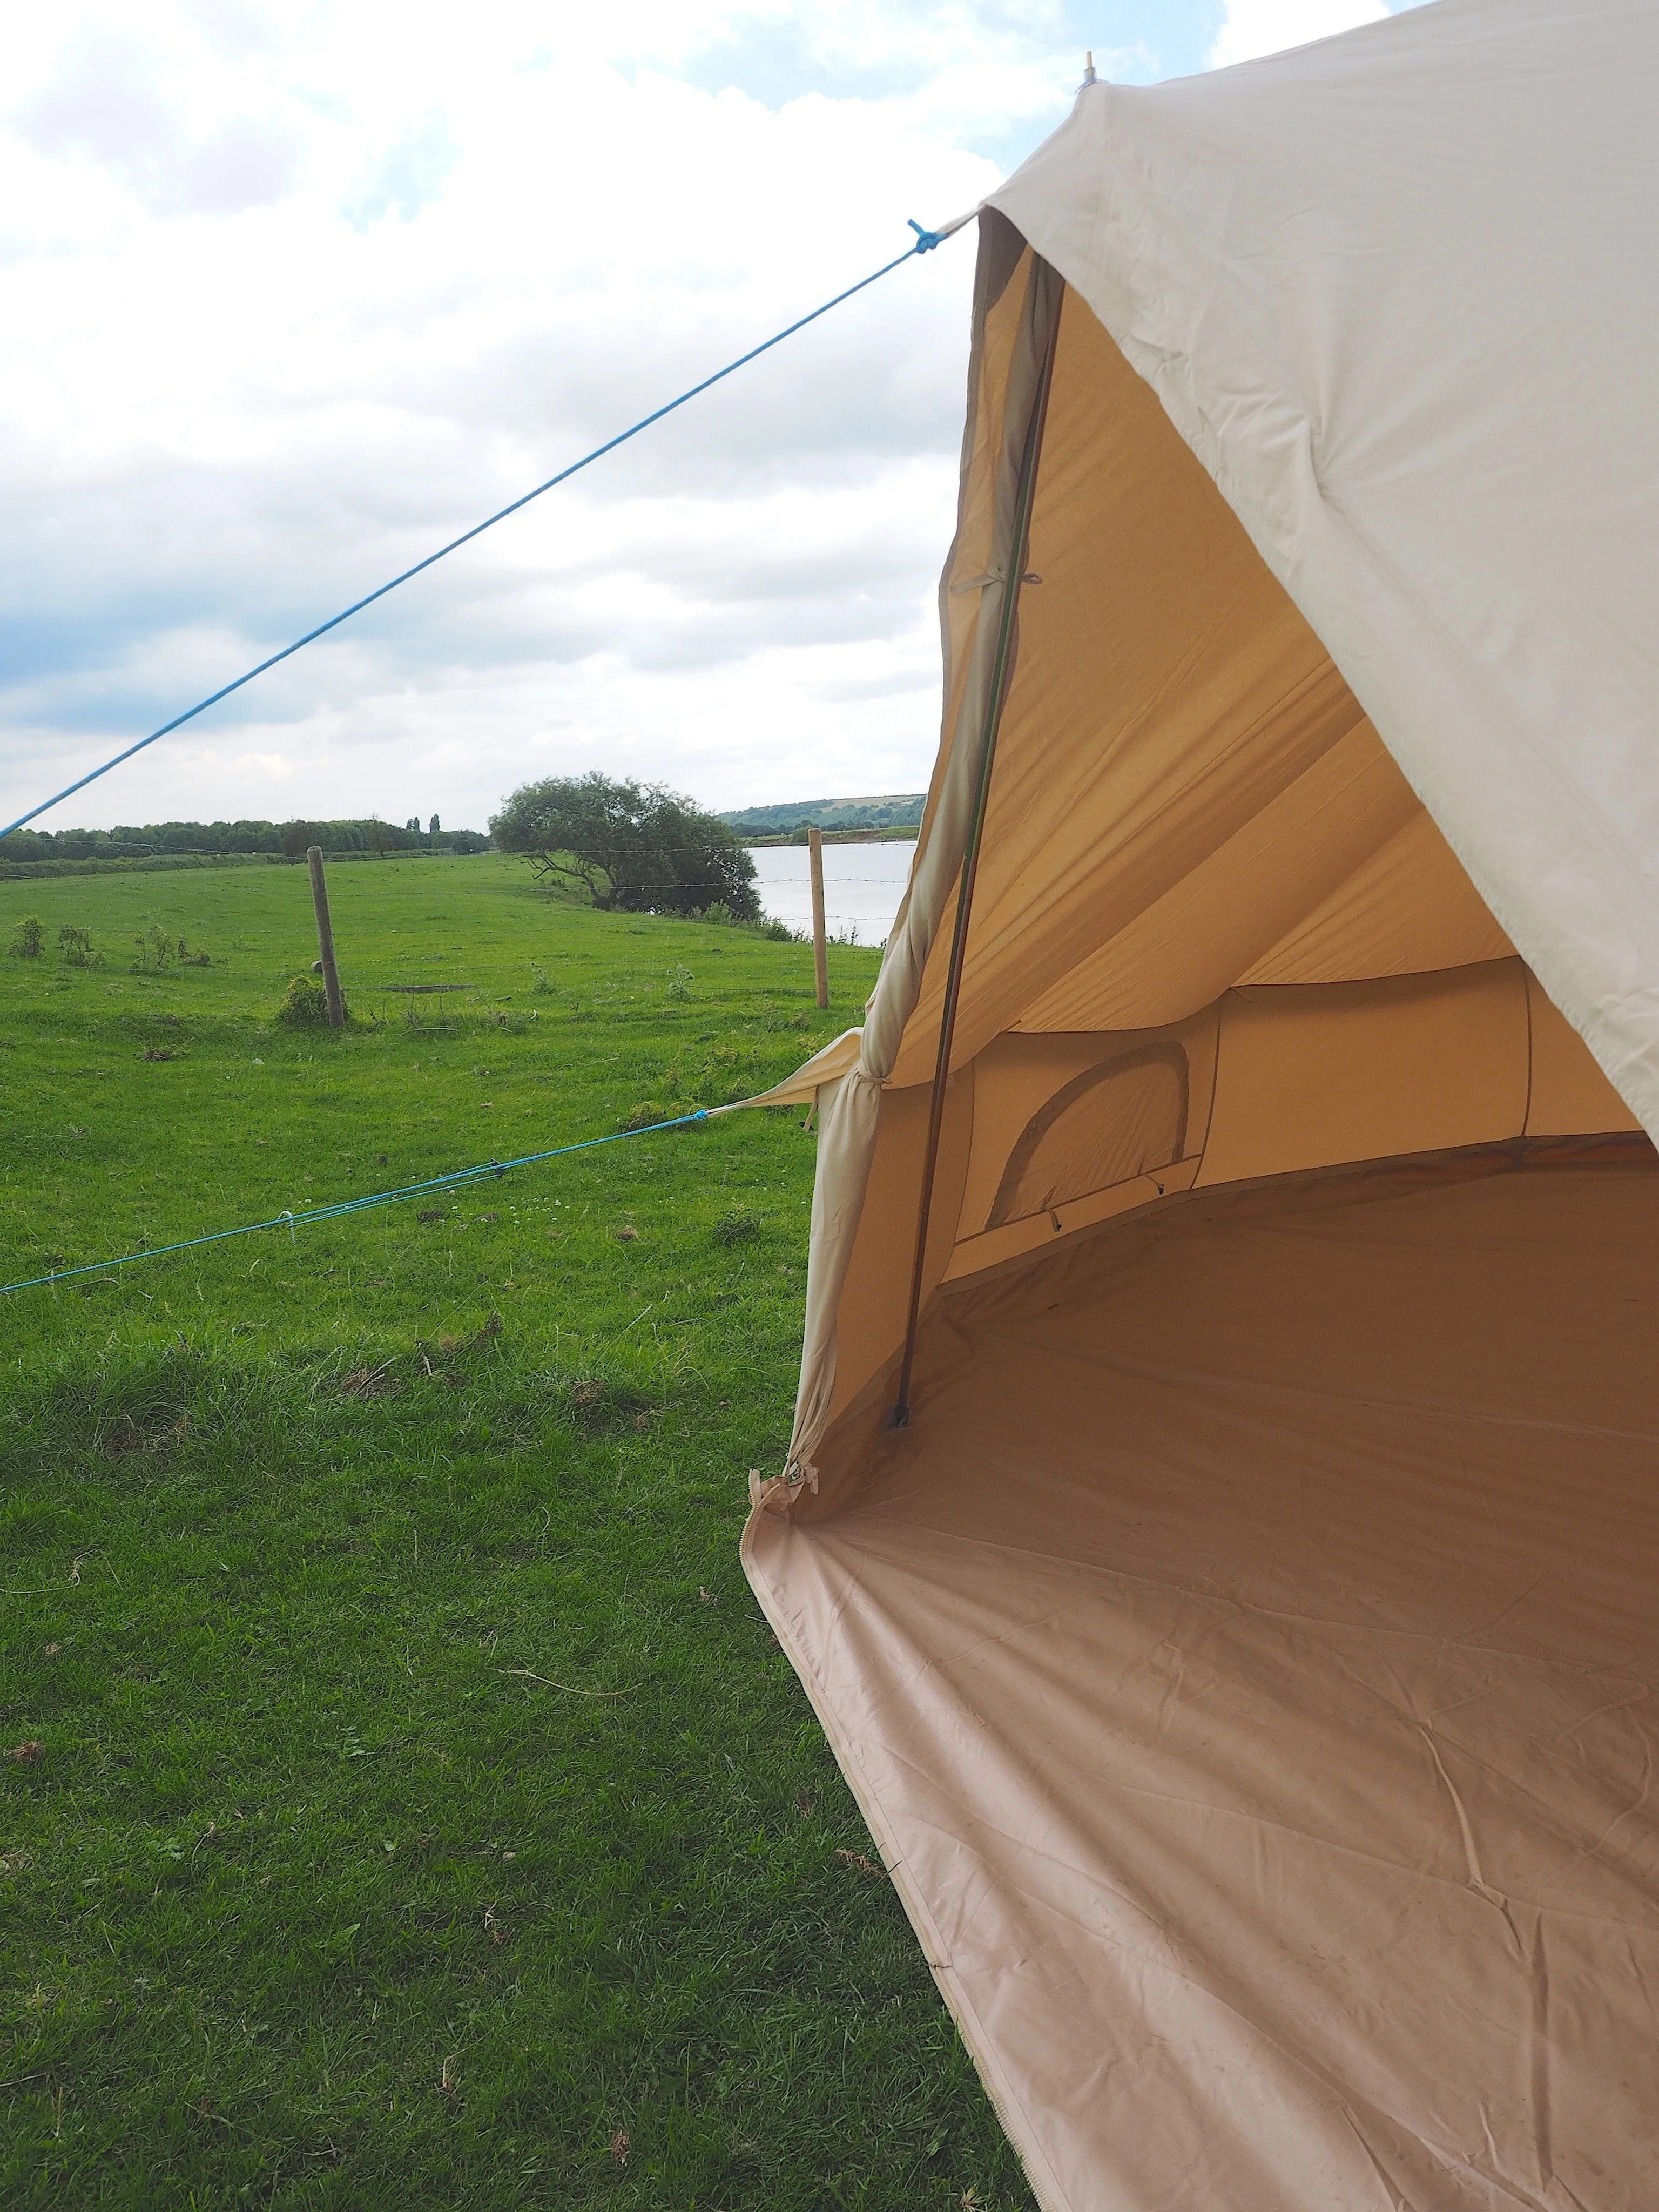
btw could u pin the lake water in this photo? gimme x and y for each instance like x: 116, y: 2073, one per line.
x: 862, y: 886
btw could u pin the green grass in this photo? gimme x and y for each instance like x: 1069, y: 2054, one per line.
x: 422, y: 1813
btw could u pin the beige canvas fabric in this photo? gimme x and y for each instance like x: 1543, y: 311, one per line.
x: 1187, y: 801
x: 1247, y: 1662
x: 1290, y: 1277
x: 1395, y: 290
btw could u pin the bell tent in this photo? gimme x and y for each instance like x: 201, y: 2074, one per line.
x: 1245, y: 1652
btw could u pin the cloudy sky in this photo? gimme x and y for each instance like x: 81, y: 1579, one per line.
x: 293, y: 293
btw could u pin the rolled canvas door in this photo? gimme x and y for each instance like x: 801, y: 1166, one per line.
x: 1006, y: 369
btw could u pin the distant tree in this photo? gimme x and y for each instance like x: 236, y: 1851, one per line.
x: 431, y: 827
x: 634, y: 847
x: 413, y: 823
x: 297, y: 839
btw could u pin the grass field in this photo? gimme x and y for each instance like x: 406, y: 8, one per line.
x: 406, y: 1804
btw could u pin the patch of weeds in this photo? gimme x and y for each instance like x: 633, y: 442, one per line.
x: 362, y: 1381
x: 28, y: 939
x: 598, y: 1406
x: 444, y: 1359
x: 159, y: 949
x: 305, y: 1003
x: 680, y: 980
x: 76, y: 946
x: 125, y: 1434
x: 737, y: 1225
x: 645, y: 1116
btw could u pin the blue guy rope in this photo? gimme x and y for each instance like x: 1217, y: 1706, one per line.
x: 457, y: 1180
x: 926, y: 242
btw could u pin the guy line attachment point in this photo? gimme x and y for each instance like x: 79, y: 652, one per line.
x: 1089, y: 69
x: 926, y: 240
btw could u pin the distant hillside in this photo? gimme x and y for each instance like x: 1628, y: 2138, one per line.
x: 289, y: 840
x: 897, y: 809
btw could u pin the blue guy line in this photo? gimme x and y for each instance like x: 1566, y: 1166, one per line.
x: 457, y: 1180
x: 926, y: 242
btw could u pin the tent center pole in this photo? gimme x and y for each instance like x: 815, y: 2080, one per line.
x: 1015, y: 578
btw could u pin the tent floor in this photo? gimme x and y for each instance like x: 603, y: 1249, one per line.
x: 1246, y: 1663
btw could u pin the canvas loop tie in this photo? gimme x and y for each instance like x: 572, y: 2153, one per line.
x: 992, y: 576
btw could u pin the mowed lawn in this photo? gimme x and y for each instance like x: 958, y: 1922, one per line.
x: 403, y: 1802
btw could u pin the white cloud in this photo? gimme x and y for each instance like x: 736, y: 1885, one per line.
x: 1250, y: 28
x: 292, y: 295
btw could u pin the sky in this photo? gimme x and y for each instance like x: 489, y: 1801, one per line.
x: 293, y: 293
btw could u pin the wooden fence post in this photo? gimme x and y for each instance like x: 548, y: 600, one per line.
x: 820, y: 955
x: 325, y: 940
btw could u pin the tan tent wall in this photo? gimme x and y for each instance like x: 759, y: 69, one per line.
x: 1188, y: 805
x: 1274, y: 1079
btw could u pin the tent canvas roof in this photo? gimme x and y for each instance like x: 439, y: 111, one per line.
x: 1396, y: 291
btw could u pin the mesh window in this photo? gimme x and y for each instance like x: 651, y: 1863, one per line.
x: 1119, y: 1120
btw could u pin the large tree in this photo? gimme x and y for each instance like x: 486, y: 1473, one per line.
x: 633, y: 847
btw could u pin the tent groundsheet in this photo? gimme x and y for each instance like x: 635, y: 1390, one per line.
x: 1248, y: 1665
